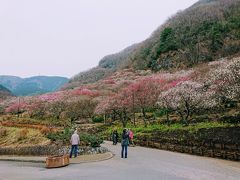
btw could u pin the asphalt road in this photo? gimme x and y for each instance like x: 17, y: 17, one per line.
x: 141, y: 164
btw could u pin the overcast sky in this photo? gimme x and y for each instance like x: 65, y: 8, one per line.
x: 65, y: 37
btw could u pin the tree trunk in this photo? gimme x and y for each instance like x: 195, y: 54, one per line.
x: 168, y: 121
x: 104, y: 119
x: 134, y: 118
x: 124, y: 119
x: 187, y: 113
x: 144, y: 117
x: 114, y: 117
x: 182, y: 117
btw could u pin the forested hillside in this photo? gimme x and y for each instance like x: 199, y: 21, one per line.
x: 206, y: 31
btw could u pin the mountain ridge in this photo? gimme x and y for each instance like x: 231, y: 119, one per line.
x: 4, y: 92
x: 32, y: 85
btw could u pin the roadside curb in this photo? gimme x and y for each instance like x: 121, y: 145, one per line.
x: 82, y: 158
x: 13, y: 158
x: 108, y: 155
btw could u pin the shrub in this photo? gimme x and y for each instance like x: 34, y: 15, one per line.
x: 231, y: 119
x: 53, y: 136
x: 97, y: 119
x: 93, y: 140
x: 3, y: 132
x: 65, y: 136
x: 160, y: 112
x: 22, y: 134
x: 60, y: 135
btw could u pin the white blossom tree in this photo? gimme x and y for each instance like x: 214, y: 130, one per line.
x: 186, y: 98
x: 226, y: 80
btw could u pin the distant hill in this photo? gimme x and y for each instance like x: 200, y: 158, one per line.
x: 206, y: 31
x: 10, y: 82
x: 4, y: 92
x: 107, y: 66
x: 33, y: 85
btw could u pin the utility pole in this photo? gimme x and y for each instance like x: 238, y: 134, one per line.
x: 18, y: 111
x: 133, y: 103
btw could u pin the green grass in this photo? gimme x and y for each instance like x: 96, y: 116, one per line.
x: 164, y: 128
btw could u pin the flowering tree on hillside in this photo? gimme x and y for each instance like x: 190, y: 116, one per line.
x: 175, y: 82
x: 84, y: 92
x: 185, y: 98
x: 115, y: 105
x: 16, y: 107
x: 144, y: 94
x: 104, y: 106
x: 56, y: 108
x: 137, y: 96
x: 79, y: 108
x: 50, y: 97
x: 122, y: 106
x: 36, y: 108
x: 226, y: 80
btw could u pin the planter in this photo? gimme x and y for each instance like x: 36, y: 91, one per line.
x: 57, y: 161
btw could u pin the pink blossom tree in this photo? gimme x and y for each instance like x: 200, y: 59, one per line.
x: 50, y: 97
x: 144, y: 94
x: 78, y: 108
x: 137, y: 96
x: 56, y: 108
x: 16, y: 107
x: 84, y: 92
x: 115, y: 105
x: 36, y: 108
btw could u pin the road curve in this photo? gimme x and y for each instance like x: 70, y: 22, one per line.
x: 141, y: 164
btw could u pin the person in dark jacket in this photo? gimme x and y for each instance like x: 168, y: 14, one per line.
x: 124, y: 143
x: 115, y: 137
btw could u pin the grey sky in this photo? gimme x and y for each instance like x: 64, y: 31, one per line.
x: 64, y: 37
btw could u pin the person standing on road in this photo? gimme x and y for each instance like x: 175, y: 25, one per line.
x: 115, y: 137
x: 75, y: 141
x: 124, y: 143
x: 130, y: 137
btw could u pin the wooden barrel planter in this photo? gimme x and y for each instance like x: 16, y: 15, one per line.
x: 57, y: 161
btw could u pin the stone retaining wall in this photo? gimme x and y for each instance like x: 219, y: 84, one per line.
x: 48, y: 150
x: 215, y: 142
x: 45, y: 150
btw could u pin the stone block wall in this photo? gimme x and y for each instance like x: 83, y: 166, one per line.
x: 49, y: 150
x: 214, y: 142
x: 45, y: 150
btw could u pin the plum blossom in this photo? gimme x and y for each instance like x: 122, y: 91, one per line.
x: 226, y: 79
x: 187, y: 97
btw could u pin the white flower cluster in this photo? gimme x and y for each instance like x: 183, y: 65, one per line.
x: 187, y: 96
x: 226, y: 79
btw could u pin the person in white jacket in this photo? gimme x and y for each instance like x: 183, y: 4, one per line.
x: 75, y: 141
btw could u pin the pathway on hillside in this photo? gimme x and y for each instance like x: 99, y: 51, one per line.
x: 142, y: 164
